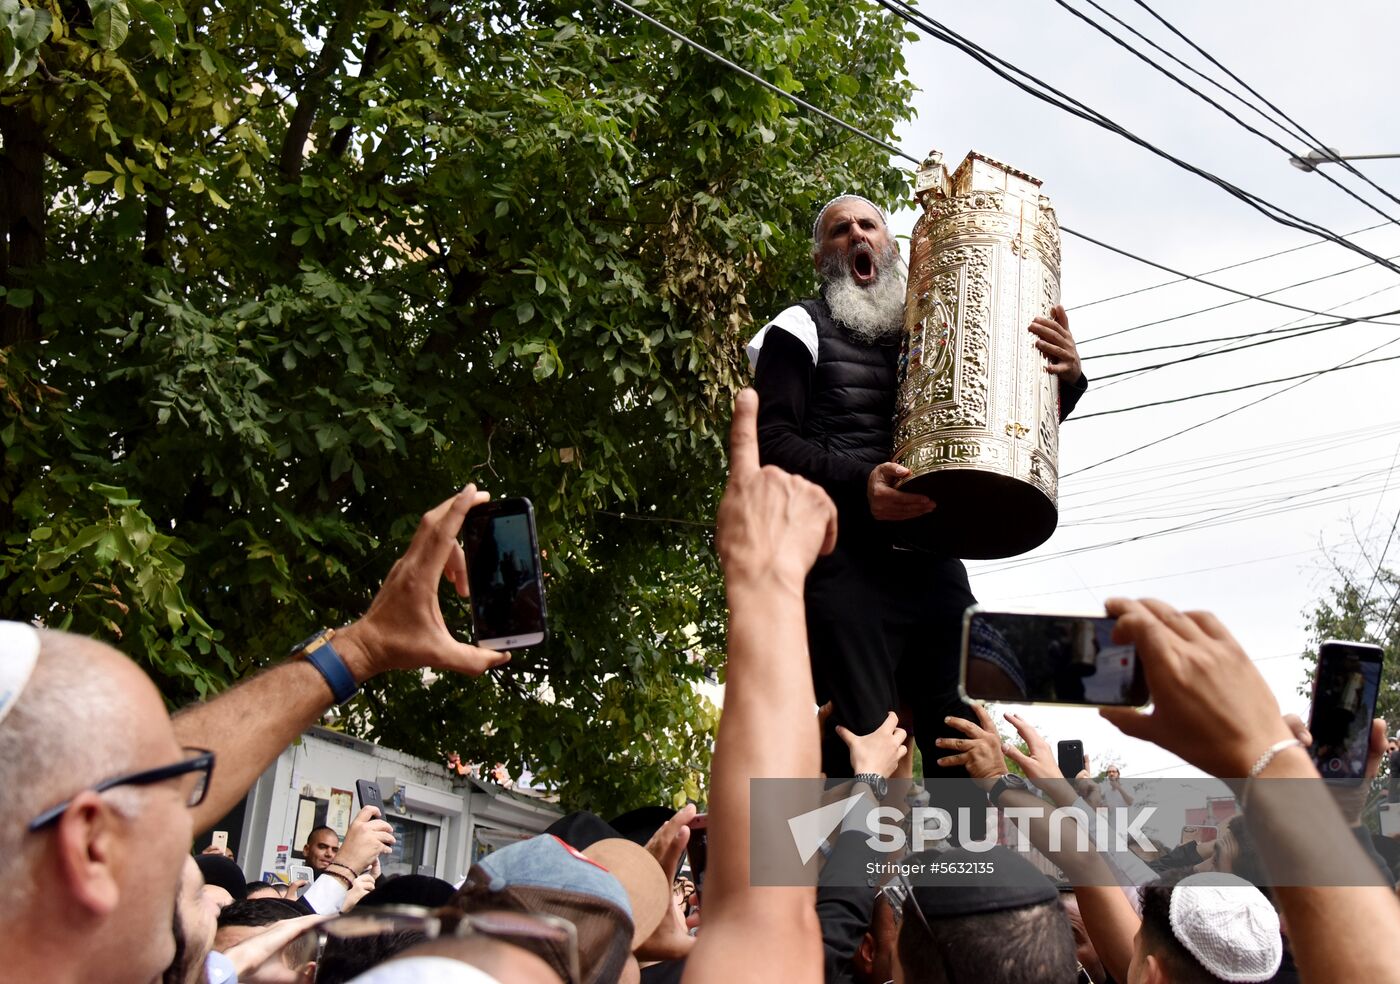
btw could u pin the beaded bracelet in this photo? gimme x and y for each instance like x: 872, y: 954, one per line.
x: 1263, y: 763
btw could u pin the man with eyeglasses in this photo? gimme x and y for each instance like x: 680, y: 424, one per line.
x: 103, y: 792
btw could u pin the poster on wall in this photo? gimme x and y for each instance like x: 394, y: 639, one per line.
x: 306, y: 822
x: 340, y: 811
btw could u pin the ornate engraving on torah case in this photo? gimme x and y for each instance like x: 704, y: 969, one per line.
x: 977, y: 416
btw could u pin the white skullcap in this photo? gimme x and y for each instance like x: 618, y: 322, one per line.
x: 1228, y: 925
x: 19, y: 651
x: 817, y: 225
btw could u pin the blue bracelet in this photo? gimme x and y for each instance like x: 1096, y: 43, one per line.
x: 333, y: 668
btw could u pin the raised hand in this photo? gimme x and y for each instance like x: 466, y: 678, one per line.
x: 772, y: 526
x: 404, y: 628
x: 1210, y: 705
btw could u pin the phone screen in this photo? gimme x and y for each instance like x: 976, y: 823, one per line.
x: 698, y: 851
x: 503, y: 570
x: 1027, y: 658
x: 1344, y: 702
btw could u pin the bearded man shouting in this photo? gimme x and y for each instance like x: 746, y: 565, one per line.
x: 884, y: 619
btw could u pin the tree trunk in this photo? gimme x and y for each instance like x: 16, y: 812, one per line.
x: 313, y: 90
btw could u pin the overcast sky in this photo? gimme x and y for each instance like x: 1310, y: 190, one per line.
x: 1332, y: 70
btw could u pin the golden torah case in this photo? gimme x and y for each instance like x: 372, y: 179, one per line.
x: 977, y: 416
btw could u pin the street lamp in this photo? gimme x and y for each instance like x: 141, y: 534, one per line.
x: 1329, y: 155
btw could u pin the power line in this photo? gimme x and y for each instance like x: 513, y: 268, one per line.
x: 1207, y: 523
x: 1274, y: 336
x: 1315, y: 144
x: 1207, y: 273
x: 1293, y: 325
x: 765, y: 83
x: 1240, y: 300
x: 1209, y: 283
x: 1005, y: 70
x: 1227, y: 413
x: 1207, y: 99
x: 1334, y: 439
x: 1204, y: 341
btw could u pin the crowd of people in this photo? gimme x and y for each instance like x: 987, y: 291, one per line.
x: 105, y: 791
x: 99, y: 882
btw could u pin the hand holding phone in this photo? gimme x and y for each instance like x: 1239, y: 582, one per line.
x: 1070, y: 756
x: 698, y: 850
x: 1345, y: 688
x: 504, y: 574
x: 368, y: 791
x: 1038, y: 658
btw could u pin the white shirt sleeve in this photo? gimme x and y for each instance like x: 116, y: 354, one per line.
x: 425, y: 970
x: 326, y: 895
x: 796, y: 322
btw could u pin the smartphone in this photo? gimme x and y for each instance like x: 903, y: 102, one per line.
x: 301, y: 872
x: 368, y: 791
x: 1390, y: 819
x: 504, y: 574
x: 1040, y: 658
x: 1071, y: 758
x: 219, y: 839
x: 697, y: 850
x: 1345, y: 687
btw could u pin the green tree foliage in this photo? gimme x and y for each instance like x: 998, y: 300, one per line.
x: 279, y: 277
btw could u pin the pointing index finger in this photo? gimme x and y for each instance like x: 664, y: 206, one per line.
x: 743, y: 434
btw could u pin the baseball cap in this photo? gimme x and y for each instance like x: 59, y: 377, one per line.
x: 610, y: 895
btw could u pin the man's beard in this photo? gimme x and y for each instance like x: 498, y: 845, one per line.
x: 872, y: 313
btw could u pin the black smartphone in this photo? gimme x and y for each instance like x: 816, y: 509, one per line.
x: 368, y: 791
x: 1039, y: 658
x: 697, y: 850
x: 504, y: 574
x: 1071, y: 757
x: 1345, y: 687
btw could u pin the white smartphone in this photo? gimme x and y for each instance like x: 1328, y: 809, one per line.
x: 1390, y: 819
x: 303, y: 873
x: 219, y: 839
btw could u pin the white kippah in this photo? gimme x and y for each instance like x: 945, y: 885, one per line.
x: 1228, y: 925
x: 19, y: 651
x: 817, y: 225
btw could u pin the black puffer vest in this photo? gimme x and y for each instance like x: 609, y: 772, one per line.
x: 850, y: 411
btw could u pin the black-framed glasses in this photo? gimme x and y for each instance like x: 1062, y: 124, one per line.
x: 200, y: 765
x: 551, y: 938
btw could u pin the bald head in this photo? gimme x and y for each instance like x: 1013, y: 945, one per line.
x: 87, y: 713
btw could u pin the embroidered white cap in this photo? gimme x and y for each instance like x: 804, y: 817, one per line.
x: 1228, y: 925
x: 817, y: 225
x: 19, y: 651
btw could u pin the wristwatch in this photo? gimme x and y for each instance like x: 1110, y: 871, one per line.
x: 875, y: 781
x: 1008, y: 781
x: 319, y: 652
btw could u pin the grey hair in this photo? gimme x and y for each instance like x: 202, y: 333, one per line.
x: 817, y: 225
x: 63, y: 734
